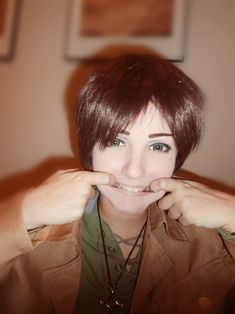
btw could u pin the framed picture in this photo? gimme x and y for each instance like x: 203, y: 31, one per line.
x: 7, y: 19
x: 155, y: 24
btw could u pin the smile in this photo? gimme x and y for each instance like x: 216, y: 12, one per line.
x: 132, y: 189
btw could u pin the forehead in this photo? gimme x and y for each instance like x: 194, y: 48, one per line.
x: 149, y: 121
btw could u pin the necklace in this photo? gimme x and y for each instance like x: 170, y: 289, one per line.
x: 111, y: 301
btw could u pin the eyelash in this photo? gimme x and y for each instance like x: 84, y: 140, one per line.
x: 116, y: 143
x: 161, y: 147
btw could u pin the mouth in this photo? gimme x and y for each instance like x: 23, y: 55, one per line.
x: 132, y: 189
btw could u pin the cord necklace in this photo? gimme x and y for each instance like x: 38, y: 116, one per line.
x: 111, y: 301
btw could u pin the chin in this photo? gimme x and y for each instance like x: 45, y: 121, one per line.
x: 123, y: 201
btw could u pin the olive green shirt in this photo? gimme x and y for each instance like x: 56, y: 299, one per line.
x: 94, y: 279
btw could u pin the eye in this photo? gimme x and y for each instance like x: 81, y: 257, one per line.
x: 117, y: 142
x: 161, y: 147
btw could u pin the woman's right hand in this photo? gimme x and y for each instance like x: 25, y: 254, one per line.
x: 62, y: 198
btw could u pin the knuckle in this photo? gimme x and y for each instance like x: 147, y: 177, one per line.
x: 77, y: 213
x: 182, y: 203
x: 86, y: 189
x: 188, y: 215
x: 187, y: 185
x: 80, y: 176
x: 59, y: 172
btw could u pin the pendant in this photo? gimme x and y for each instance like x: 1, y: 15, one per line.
x: 111, y: 301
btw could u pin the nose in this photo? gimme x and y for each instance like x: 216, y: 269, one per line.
x: 133, y: 166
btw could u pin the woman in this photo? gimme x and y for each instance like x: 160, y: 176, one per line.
x: 95, y: 240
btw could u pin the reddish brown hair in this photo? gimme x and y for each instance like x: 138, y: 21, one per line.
x: 119, y: 91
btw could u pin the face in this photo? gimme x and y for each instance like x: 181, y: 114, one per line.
x: 141, y: 153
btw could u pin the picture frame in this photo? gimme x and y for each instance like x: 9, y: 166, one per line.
x: 7, y: 23
x: 79, y: 46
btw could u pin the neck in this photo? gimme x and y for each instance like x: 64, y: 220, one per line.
x: 125, y: 225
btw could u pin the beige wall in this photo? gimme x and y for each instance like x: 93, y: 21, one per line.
x: 36, y: 87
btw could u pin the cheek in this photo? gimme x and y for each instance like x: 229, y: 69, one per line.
x: 103, y: 166
x: 154, y: 165
x: 105, y: 161
x: 161, y: 166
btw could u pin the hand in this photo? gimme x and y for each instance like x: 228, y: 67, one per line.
x: 194, y: 203
x: 62, y: 198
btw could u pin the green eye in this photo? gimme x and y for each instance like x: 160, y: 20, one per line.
x: 117, y: 142
x: 161, y: 147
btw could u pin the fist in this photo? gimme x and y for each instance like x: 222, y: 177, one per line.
x: 62, y: 198
x: 194, y: 203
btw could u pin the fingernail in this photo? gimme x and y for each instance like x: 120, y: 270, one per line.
x: 112, y: 180
x: 155, y: 187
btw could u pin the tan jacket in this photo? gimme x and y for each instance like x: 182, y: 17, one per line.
x: 184, y: 270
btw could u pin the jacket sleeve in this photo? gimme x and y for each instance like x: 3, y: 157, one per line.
x: 230, y: 246
x: 15, y: 240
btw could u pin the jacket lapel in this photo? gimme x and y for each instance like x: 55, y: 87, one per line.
x: 63, y: 279
x: 155, y: 265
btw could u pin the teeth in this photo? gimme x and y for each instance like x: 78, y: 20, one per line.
x: 133, y: 189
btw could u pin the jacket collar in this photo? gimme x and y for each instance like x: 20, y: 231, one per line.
x: 158, y: 228
x: 159, y: 219
x: 153, y: 254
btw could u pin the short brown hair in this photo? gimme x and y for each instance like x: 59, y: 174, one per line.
x: 120, y: 90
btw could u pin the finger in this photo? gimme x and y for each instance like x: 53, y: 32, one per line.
x: 166, y: 202
x: 155, y: 186
x: 166, y: 184
x: 96, y: 178
x: 205, y: 188
x: 92, y: 193
x: 193, y: 183
x: 61, y: 172
x: 91, y: 177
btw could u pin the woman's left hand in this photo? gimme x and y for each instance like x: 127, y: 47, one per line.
x: 190, y: 202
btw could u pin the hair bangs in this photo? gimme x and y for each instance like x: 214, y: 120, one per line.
x: 118, y: 102
x: 114, y: 96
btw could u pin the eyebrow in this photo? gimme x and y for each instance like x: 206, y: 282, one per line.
x: 159, y: 135
x: 153, y: 135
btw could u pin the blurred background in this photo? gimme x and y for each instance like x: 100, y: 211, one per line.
x: 39, y: 83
